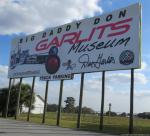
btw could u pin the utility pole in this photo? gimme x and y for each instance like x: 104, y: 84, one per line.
x: 109, y: 109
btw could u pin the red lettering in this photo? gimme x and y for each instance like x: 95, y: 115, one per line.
x: 115, y: 26
x: 103, y: 27
x: 115, y: 29
x: 69, y: 37
x: 78, y: 40
x: 92, y: 33
x: 54, y: 41
x: 42, y: 45
x: 120, y: 26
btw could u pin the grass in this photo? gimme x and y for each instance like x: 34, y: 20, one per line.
x: 112, y: 125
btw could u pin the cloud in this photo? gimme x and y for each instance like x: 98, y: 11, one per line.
x: 3, y: 76
x: 122, y: 78
x: 144, y: 67
x: 30, y: 16
x: 141, y: 78
x: 3, y: 69
x: 142, y: 93
x: 116, y: 78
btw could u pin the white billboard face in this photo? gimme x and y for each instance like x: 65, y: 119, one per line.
x: 107, y: 42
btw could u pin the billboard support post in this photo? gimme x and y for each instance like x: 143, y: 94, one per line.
x: 102, y: 101
x: 59, y: 103
x: 80, y: 100
x: 131, y: 102
x: 13, y: 82
x: 31, y: 97
x: 45, y: 102
x: 8, y: 97
x: 18, y: 99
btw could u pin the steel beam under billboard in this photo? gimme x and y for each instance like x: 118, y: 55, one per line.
x: 107, y: 42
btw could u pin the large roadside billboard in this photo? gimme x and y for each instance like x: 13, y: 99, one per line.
x: 107, y: 42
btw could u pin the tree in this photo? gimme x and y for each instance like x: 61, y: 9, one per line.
x: 123, y: 114
x: 3, y: 93
x: 52, y: 107
x: 144, y: 115
x: 111, y: 113
x: 25, y: 96
x: 85, y: 110
x: 70, y: 105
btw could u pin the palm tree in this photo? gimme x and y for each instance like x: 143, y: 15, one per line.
x: 25, y: 96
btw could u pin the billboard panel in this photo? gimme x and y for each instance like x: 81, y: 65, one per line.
x: 107, y: 42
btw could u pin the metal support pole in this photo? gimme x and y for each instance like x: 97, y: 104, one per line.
x: 80, y: 100
x: 18, y: 99
x: 13, y: 82
x: 45, y: 102
x: 59, y: 103
x: 131, y: 102
x: 31, y: 97
x: 102, y: 101
x: 8, y: 97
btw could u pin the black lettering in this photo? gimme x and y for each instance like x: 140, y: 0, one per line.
x: 123, y: 41
x: 79, y: 47
x: 122, y: 13
x: 78, y: 24
x: 100, y: 45
x: 74, y: 47
x: 103, y: 61
x: 92, y: 45
x: 32, y: 38
x: 96, y: 21
x: 44, y: 35
x: 51, y: 32
x: 21, y: 40
x: 83, y: 48
x: 68, y: 27
x: 26, y: 39
x: 109, y: 45
x: 86, y: 61
x: 109, y: 17
x: 59, y: 30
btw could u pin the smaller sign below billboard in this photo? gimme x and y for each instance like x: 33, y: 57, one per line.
x: 57, y: 77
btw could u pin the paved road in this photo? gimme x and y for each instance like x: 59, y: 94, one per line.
x: 18, y: 128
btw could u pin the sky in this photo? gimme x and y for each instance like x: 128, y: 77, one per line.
x: 23, y: 17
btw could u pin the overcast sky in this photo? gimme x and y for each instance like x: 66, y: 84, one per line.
x: 19, y: 17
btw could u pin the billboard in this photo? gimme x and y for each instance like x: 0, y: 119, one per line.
x: 107, y: 42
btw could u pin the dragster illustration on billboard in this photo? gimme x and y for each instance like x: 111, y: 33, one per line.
x: 51, y: 60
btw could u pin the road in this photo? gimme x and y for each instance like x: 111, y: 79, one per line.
x: 19, y: 128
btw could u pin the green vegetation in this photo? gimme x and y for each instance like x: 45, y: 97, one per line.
x: 90, y: 122
x: 24, y: 98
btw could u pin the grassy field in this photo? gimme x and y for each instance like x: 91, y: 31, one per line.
x: 112, y: 125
